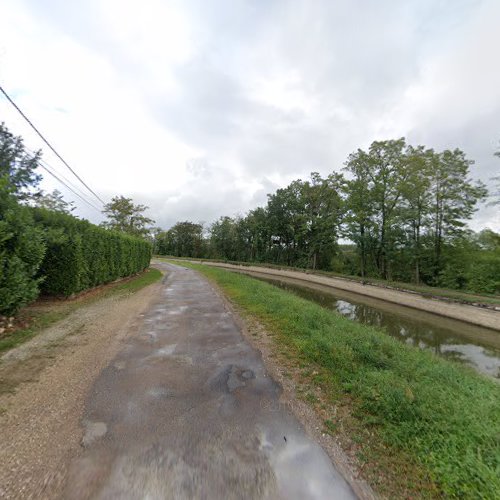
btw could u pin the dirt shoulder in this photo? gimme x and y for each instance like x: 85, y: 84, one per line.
x: 475, y: 315
x: 43, y: 383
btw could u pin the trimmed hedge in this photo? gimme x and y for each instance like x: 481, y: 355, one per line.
x: 81, y: 255
x: 21, y: 252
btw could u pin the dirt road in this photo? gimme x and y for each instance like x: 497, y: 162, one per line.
x: 180, y: 407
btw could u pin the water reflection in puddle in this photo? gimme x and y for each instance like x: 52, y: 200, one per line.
x: 451, y: 339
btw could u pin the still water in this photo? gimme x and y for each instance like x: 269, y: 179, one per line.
x: 479, y: 347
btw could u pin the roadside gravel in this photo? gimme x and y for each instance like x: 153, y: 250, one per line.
x: 43, y: 384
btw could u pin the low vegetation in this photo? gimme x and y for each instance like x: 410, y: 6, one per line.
x: 427, y: 426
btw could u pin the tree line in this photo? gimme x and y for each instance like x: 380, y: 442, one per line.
x: 396, y: 212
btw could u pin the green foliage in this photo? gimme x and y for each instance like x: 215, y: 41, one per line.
x: 53, y: 201
x: 299, y: 226
x: 21, y: 246
x: 17, y: 165
x: 21, y: 251
x: 422, y: 410
x: 47, y: 248
x: 184, y: 239
x: 405, y: 204
x: 81, y: 255
x: 126, y: 217
x: 403, y: 207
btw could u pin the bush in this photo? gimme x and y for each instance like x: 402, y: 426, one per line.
x: 21, y: 252
x: 81, y: 255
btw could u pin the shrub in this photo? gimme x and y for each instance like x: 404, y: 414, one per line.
x: 21, y: 251
x: 81, y: 255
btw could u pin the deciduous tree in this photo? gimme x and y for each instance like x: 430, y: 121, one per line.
x: 53, y: 201
x: 123, y: 215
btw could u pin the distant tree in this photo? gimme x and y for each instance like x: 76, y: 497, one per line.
x: 496, y: 193
x: 126, y: 217
x: 374, y: 197
x: 228, y: 238
x: 53, y: 201
x: 320, y: 226
x: 416, y: 202
x: 454, y: 199
x: 259, y: 234
x: 286, y: 215
x: 403, y: 202
x: 185, y: 239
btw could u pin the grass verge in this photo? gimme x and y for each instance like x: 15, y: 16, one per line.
x: 44, y: 313
x: 426, y: 291
x: 425, y: 427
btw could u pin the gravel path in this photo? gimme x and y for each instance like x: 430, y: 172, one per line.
x: 48, y: 378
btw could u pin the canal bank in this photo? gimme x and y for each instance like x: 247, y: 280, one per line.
x: 448, y: 338
x: 484, y: 317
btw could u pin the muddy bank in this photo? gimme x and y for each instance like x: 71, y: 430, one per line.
x: 462, y: 312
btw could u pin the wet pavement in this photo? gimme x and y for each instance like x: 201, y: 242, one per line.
x: 187, y: 410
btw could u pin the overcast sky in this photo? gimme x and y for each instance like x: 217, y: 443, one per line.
x: 199, y: 108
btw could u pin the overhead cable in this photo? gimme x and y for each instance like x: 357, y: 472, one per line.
x: 64, y: 180
x: 48, y: 143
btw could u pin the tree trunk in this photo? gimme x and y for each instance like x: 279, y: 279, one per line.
x: 363, y: 251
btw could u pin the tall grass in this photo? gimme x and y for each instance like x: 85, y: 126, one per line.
x: 428, y: 413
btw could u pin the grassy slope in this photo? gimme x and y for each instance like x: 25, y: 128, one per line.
x: 430, y: 426
x: 42, y: 314
x: 426, y: 291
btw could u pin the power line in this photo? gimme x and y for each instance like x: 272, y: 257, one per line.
x: 68, y: 186
x: 62, y: 178
x: 64, y: 184
x: 48, y: 143
x: 71, y: 187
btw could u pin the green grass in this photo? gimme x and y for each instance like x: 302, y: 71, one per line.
x: 431, y: 428
x: 148, y: 278
x: 424, y: 290
x: 44, y: 314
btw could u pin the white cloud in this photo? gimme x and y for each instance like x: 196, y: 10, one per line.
x: 259, y: 92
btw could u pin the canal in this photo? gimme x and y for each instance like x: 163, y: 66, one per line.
x: 451, y: 339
